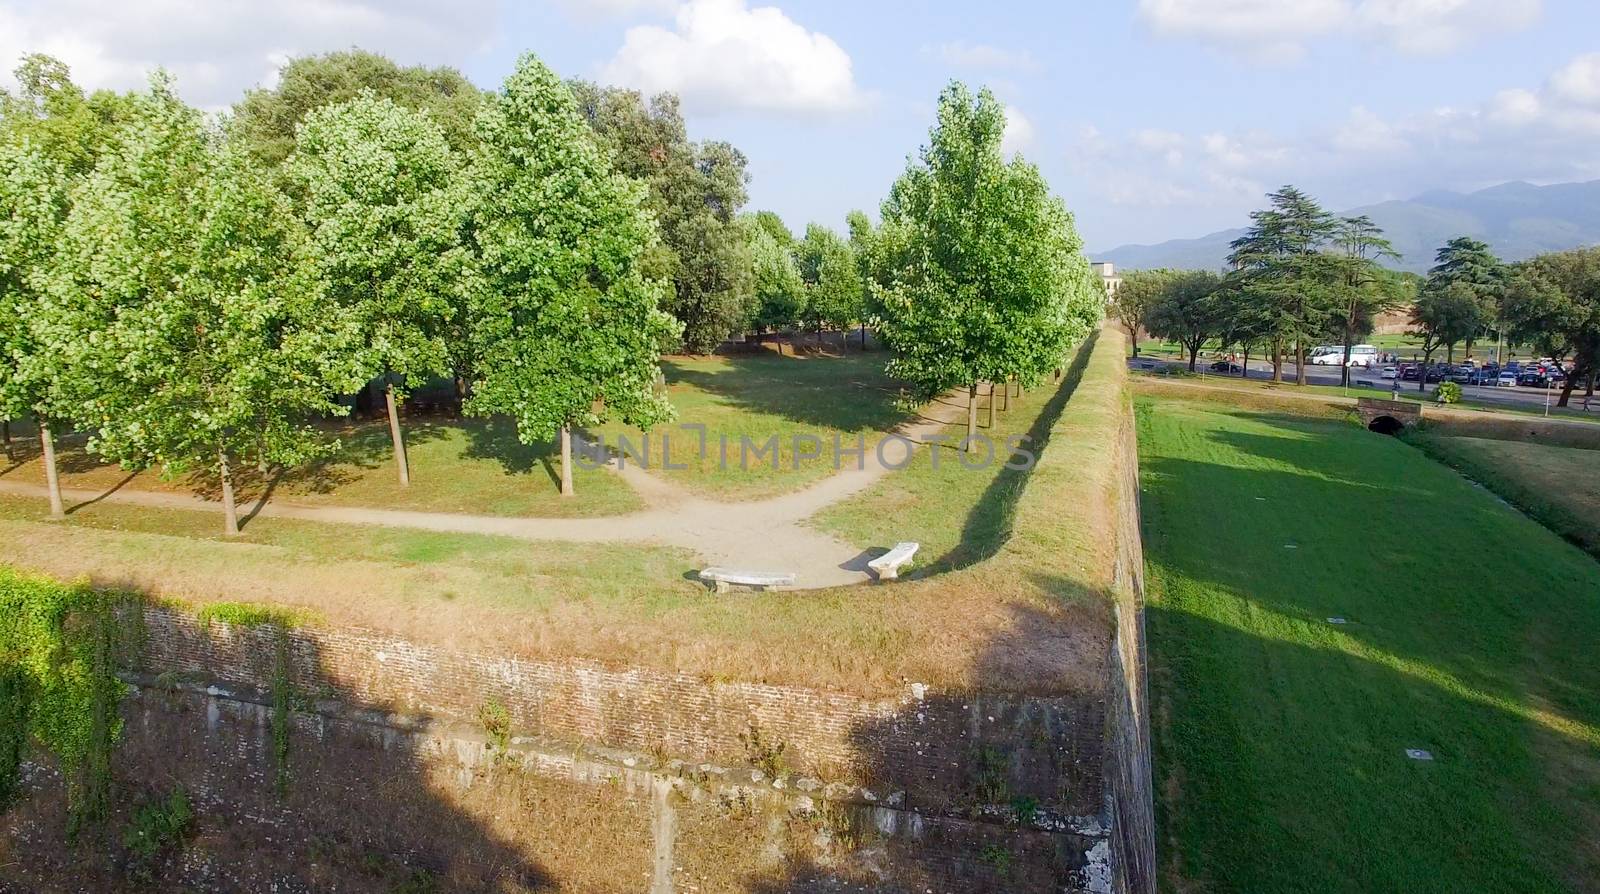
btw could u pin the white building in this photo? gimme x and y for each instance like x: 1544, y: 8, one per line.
x: 1108, y: 276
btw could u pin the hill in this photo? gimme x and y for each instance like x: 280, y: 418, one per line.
x: 1519, y: 220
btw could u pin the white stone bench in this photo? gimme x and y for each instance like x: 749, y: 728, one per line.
x: 760, y: 580
x: 888, y: 565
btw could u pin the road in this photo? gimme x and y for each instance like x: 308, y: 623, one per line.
x: 1517, y: 397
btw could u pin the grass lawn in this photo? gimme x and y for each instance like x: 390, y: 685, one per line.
x: 457, y: 465
x: 478, y: 466
x: 759, y: 397
x: 1280, y: 737
x: 1559, y: 486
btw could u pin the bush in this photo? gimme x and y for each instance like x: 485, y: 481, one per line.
x: 1449, y: 393
x: 154, y: 829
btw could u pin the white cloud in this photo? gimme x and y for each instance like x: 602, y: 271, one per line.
x: 218, y: 48
x: 721, y: 55
x: 1541, y: 134
x: 982, y: 55
x: 1279, y: 30
x: 1019, y: 134
x: 1578, y: 81
x: 612, y: 10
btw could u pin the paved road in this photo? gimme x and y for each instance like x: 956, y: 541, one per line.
x: 1518, y: 397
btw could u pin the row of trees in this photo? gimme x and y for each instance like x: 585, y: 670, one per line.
x: 1300, y: 276
x: 190, y: 306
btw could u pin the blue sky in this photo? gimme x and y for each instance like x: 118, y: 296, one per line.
x: 1153, y: 119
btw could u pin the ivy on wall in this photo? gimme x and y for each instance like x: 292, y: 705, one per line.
x: 59, y: 651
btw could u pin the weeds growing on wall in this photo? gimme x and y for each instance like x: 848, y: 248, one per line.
x: 59, y: 651
x: 284, y: 694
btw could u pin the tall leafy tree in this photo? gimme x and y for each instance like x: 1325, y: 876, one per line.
x: 65, y: 125
x: 864, y: 243
x: 695, y: 193
x: 185, y: 317
x: 772, y: 224
x: 834, y: 293
x: 568, y: 323
x: 1279, y: 267
x: 984, y: 277
x: 1187, y: 310
x: 780, y: 293
x: 378, y: 188
x: 1444, y: 315
x: 1470, y: 267
x: 1137, y: 297
x: 264, y: 122
x: 1362, y: 288
x: 33, y: 206
x: 1553, y: 302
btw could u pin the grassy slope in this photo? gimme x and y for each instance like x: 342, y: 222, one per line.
x: 1559, y: 486
x: 958, y: 514
x: 1280, y: 737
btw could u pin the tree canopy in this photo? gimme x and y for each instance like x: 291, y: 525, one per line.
x: 210, y: 348
x: 695, y: 193
x: 264, y: 122
x: 1553, y: 302
x: 983, y: 278
x: 568, y: 322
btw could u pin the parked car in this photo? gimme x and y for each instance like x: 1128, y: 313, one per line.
x: 1389, y: 372
x: 1532, y: 379
x: 1484, y: 375
x: 1227, y: 366
x: 1435, y: 374
x: 1409, y: 372
x: 1506, y: 379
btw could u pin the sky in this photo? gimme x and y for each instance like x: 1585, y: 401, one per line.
x: 1152, y: 119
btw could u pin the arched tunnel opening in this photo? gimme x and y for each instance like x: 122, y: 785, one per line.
x: 1386, y: 425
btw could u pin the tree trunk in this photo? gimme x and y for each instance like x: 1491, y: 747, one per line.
x: 1299, y: 362
x: 991, y: 405
x: 1277, y: 361
x: 566, y: 461
x: 972, y: 413
x: 1244, y: 365
x: 400, y: 464
x: 863, y: 337
x: 1344, y: 373
x: 1194, y: 353
x: 1005, y: 395
x: 6, y: 427
x: 230, y: 512
x: 52, y: 481
x: 1567, y: 385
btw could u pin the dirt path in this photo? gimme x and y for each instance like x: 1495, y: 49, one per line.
x: 762, y: 535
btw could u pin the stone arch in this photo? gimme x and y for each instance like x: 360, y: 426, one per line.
x: 1385, y: 425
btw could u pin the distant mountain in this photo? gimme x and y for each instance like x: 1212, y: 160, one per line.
x: 1518, y: 220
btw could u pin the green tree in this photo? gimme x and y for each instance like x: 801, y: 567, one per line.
x: 773, y: 225
x: 1280, y: 268
x: 696, y: 191
x: 53, y: 113
x: 1469, y: 265
x: 780, y: 294
x: 983, y: 275
x: 834, y: 293
x: 1553, y: 302
x: 1136, y: 297
x: 1362, y: 288
x: 264, y: 121
x: 1187, y: 310
x: 568, y: 325
x: 185, y: 320
x: 377, y: 186
x: 1443, y: 315
x: 864, y: 243
x: 33, y: 206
